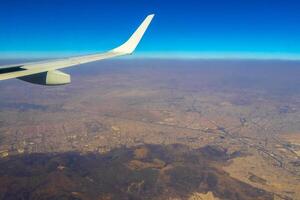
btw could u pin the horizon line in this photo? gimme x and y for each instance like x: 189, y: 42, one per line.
x: 159, y: 55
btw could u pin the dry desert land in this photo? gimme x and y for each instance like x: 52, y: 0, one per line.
x: 154, y: 129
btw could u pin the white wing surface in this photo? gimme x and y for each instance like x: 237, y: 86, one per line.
x: 46, y: 67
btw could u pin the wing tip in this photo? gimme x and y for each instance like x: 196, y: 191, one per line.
x: 130, y: 45
x: 151, y: 15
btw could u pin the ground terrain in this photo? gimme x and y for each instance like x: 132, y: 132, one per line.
x: 178, y: 129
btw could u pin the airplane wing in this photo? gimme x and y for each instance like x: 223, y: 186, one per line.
x: 46, y: 72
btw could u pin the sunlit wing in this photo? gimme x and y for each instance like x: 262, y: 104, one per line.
x: 46, y: 73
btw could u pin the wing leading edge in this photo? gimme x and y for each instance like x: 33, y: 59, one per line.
x: 42, y: 67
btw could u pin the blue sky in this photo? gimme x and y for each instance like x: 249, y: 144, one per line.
x: 198, y: 28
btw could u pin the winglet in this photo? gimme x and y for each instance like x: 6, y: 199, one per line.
x: 129, y: 46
